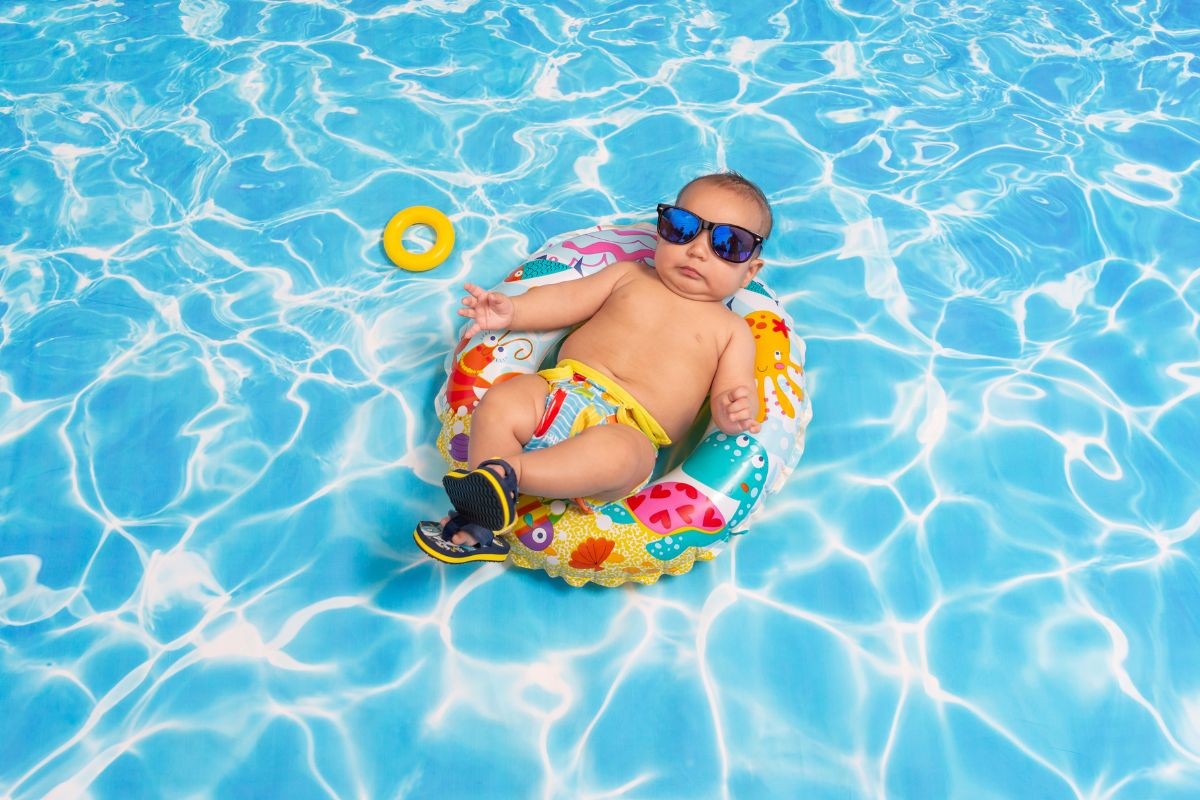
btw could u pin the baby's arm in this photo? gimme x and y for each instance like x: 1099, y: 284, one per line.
x: 543, y: 308
x: 733, y: 384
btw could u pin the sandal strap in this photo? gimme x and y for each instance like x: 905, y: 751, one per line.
x: 458, y: 522
x: 508, y: 481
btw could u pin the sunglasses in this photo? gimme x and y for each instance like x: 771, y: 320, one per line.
x: 730, y: 242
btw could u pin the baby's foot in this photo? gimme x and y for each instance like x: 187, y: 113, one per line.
x: 487, y: 495
x: 461, y: 537
x: 432, y: 538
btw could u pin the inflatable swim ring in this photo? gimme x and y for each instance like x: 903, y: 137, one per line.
x: 706, y: 487
x: 393, y: 238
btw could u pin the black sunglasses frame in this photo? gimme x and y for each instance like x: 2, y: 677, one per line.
x: 705, y: 225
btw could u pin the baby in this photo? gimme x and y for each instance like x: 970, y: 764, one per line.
x: 653, y: 344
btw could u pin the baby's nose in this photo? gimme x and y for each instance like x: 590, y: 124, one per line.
x: 699, y: 247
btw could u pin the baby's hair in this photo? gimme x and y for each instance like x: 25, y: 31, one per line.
x: 732, y: 180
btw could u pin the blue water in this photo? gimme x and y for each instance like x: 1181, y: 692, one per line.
x: 216, y: 395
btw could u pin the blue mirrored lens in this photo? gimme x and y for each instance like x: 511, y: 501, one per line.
x: 678, y: 226
x: 731, y: 244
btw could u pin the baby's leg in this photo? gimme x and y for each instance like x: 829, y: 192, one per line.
x: 502, y: 423
x: 506, y: 418
x: 605, y: 462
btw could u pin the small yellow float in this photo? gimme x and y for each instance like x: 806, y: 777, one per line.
x: 443, y: 241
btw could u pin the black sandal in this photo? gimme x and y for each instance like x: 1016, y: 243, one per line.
x: 434, y: 539
x: 483, y: 496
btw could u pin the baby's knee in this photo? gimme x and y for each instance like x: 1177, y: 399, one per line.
x: 515, y: 393
x: 634, y: 462
x: 517, y: 402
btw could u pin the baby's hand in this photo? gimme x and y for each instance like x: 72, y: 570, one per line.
x: 492, y: 311
x: 733, y: 413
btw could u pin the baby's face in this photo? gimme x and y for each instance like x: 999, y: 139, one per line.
x: 693, y: 270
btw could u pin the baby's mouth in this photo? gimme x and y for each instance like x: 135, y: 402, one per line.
x: 688, y: 271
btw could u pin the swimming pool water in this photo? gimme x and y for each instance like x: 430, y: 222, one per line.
x: 216, y: 426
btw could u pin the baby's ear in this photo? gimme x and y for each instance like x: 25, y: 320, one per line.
x: 755, y: 266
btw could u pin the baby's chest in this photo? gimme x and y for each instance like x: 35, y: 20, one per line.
x: 672, y: 329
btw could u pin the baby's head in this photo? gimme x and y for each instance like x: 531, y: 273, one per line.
x: 738, y: 185
x: 712, y: 264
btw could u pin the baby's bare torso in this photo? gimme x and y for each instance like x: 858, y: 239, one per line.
x: 661, y: 348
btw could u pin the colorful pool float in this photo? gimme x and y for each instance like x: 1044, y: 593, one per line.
x: 707, y: 487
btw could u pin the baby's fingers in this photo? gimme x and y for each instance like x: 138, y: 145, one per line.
x: 478, y: 293
x: 738, y: 407
x: 739, y: 393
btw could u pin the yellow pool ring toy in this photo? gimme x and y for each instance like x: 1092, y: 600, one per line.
x: 443, y: 241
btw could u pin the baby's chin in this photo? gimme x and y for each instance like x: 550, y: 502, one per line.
x: 667, y: 276
x: 700, y: 297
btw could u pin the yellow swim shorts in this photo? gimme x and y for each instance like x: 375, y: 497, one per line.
x: 581, y: 398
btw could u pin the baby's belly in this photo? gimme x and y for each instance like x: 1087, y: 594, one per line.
x: 658, y: 378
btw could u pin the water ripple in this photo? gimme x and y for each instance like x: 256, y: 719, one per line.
x: 216, y: 394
